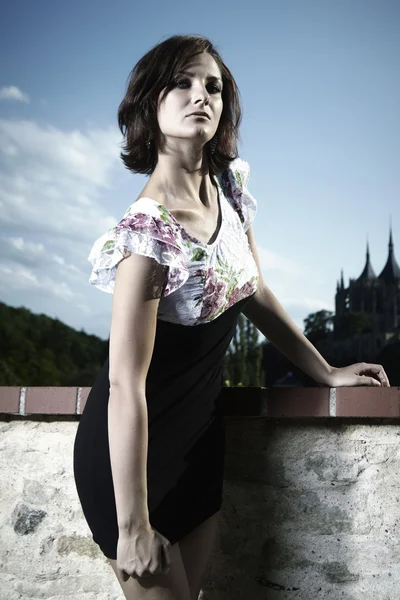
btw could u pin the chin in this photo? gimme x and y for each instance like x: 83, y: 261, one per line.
x: 202, y: 134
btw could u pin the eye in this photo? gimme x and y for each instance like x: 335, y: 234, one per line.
x: 182, y: 83
x: 215, y: 89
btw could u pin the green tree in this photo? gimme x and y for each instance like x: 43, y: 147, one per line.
x: 243, y: 360
x: 38, y: 350
x: 318, y: 325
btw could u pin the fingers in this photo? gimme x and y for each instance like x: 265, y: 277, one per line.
x: 165, y: 552
x: 378, y: 371
x: 383, y: 378
x: 166, y: 556
x: 363, y: 380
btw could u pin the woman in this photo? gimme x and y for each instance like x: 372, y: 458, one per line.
x: 183, y: 265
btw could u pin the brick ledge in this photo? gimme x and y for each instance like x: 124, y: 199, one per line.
x: 289, y: 403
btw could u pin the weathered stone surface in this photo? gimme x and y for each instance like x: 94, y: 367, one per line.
x: 310, y: 511
x: 83, y: 546
x: 315, y: 527
x: 35, y: 492
x: 46, y: 544
x: 27, y: 520
x: 338, y: 572
x: 59, y: 560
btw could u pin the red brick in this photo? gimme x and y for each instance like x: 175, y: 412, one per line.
x: 239, y: 401
x: 84, y: 396
x: 9, y: 399
x: 51, y: 400
x: 367, y: 402
x: 298, y: 402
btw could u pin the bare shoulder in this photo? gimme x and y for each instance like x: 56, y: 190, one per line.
x: 139, y: 278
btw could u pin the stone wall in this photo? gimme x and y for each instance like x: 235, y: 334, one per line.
x: 311, y: 501
x: 311, y: 510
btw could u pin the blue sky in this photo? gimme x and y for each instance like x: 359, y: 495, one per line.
x: 320, y: 88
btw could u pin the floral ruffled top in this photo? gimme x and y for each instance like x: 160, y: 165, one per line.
x: 203, y: 280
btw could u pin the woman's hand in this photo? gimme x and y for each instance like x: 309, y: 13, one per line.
x: 358, y: 374
x: 142, y: 553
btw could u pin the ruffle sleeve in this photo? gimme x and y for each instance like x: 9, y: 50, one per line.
x: 234, y: 182
x: 140, y: 233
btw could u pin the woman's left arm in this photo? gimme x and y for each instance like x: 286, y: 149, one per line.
x: 268, y: 315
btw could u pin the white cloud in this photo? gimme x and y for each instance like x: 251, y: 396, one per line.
x: 33, y: 266
x: 52, y: 183
x: 12, y: 92
x: 18, y: 277
x: 53, y: 179
x: 35, y: 255
x: 43, y: 282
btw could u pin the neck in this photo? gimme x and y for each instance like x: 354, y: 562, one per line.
x: 182, y: 174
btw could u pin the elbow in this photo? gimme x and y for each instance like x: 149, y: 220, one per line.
x: 126, y: 386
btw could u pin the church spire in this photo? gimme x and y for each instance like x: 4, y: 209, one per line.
x: 391, y: 271
x: 368, y: 272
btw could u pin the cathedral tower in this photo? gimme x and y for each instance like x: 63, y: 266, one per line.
x: 372, y: 302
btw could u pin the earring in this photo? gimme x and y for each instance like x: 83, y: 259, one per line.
x: 213, y: 144
x: 148, y: 142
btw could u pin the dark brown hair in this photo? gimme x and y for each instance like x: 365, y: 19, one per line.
x: 137, y: 113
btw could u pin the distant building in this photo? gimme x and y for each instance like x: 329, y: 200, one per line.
x: 375, y: 302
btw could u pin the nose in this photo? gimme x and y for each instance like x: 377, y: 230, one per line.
x: 201, y: 95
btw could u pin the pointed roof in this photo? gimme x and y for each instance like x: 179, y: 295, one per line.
x: 391, y: 271
x: 368, y: 272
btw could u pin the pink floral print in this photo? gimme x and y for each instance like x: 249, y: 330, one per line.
x: 202, y: 280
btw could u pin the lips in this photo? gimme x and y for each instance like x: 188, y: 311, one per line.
x: 200, y: 114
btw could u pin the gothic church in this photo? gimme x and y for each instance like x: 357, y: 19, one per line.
x: 377, y: 300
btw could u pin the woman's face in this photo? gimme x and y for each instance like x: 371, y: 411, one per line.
x: 198, y: 88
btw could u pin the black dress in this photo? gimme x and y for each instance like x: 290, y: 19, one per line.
x: 207, y: 290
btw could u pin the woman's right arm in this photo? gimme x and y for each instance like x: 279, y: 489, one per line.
x: 137, y: 291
